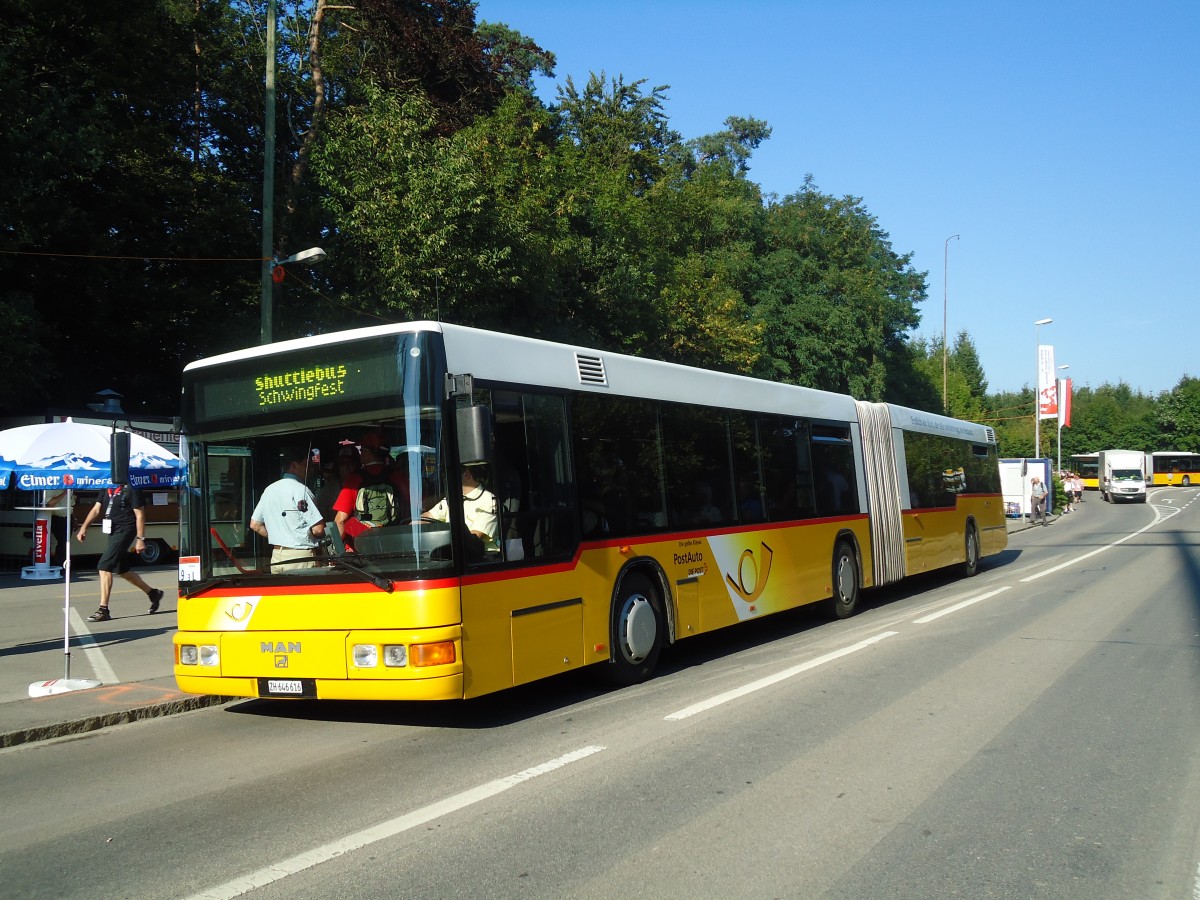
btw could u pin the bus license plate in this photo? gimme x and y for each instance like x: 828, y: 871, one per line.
x: 305, y: 688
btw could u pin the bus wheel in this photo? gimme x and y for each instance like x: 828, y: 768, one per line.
x: 637, y: 631
x: 971, y: 563
x: 1187, y: 481
x: 844, y: 601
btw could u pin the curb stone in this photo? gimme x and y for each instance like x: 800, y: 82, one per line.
x: 90, y: 723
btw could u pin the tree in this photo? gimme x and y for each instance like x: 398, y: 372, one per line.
x: 838, y: 302
x: 109, y: 195
x: 1179, y: 416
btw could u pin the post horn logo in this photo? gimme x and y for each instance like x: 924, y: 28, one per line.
x: 758, y: 579
x: 239, y: 612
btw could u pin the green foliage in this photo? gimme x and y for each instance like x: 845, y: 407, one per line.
x: 108, y: 193
x: 1179, y: 417
x: 838, y: 301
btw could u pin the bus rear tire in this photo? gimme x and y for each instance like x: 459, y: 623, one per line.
x: 971, y: 562
x: 844, y: 602
x: 637, y: 631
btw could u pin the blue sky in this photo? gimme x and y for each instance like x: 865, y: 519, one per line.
x: 1059, y: 139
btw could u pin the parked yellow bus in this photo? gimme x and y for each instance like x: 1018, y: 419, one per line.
x: 637, y: 504
x: 1087, y: 466
x: 1174, y: 468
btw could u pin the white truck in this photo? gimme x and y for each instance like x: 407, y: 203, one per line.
x: 1122, y: 475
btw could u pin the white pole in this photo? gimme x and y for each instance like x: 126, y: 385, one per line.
x: 67, y: 592
x: 945, y: 292
x: 1037, y: 384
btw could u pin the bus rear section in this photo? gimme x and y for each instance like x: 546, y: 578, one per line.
x: 1173, y: 468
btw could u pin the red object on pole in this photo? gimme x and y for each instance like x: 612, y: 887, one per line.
x: 41, y: 541
x: 278, y: 274
x: 1064, y: 402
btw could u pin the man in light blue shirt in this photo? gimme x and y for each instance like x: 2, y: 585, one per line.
x: 288, y: 517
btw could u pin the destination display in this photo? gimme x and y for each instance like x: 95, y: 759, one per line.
x: 302, y: 381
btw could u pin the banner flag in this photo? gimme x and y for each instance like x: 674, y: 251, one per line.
x: 1047, y: 384
x: 1064, y: 403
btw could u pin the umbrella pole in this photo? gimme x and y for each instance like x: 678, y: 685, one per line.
x: 67, y: 592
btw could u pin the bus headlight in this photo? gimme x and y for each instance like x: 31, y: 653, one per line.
x: 366, y: 656
x: 199, y: 655
x: 395, y: 655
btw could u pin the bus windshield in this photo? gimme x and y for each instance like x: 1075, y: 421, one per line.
x: 364, y: 479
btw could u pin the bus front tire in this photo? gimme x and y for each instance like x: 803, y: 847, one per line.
x: 637, y: 631
x: 844, y: 602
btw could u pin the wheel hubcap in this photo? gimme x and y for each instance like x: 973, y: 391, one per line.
x: 638, y: 628
x: 845, y: 580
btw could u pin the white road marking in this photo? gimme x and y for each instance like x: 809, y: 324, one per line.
x: 302, y: 861
x: 774, y: 679
x: 94, y: 654
x: 957, y: 606
x: 1078, y: 559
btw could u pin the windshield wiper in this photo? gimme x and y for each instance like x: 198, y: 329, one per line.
x: 210, y: 584
x: 384, y: 584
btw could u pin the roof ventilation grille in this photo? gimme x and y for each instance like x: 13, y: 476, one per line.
x: 591, y: 370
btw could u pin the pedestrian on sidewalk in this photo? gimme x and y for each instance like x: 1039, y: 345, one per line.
x: 1037, y: 501
x: 125, y: 524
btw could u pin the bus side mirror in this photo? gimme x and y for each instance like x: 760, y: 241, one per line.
x: 474, y: 435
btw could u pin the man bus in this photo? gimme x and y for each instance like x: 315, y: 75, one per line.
x: 595, y: 461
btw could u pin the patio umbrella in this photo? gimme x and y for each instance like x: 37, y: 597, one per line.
x: 73, y: 455
x: 77, y: 456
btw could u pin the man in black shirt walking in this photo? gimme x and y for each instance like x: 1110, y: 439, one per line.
x: 125, y: 524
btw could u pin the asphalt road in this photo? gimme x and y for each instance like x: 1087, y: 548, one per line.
x: 1031, y: 732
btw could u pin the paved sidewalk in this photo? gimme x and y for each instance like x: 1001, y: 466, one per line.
x: 131, y: 654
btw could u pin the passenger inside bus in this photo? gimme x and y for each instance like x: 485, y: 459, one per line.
x: 699, y: 509
x: 479, y: 509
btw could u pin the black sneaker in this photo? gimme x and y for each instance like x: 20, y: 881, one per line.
x: 155, y: 598
x: 100, y: 615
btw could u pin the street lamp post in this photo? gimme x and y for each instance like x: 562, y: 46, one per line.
x: 1060, y: 416
x: 1037, y: 400
x: 945, y: 289
x: 311, y: 256
x: 268, y: 210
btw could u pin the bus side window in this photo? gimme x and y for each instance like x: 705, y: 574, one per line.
x: 532, y: 477
x: 618, y: 448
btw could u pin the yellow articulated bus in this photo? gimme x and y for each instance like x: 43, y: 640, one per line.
x: 1171, y: 467
x: 1087, y: 467
x: 603, y: 507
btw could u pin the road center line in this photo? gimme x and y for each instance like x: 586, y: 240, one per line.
x: 774, y: 679
x: 302, y: 861
x: 957, y: 606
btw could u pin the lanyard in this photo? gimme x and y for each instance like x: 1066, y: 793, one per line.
x: 112, y: 498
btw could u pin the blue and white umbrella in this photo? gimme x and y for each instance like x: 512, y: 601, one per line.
x: 75, y: 456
